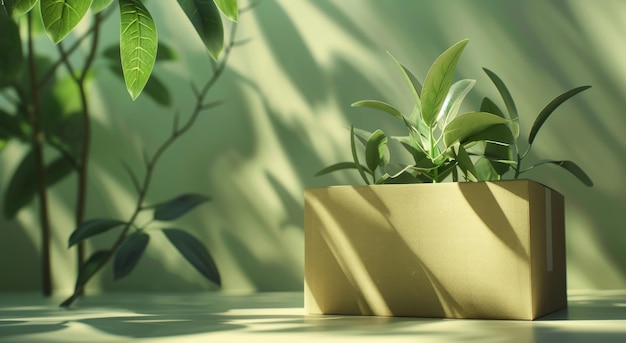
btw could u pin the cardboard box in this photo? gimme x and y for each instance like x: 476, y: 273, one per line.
x: 492, y: 250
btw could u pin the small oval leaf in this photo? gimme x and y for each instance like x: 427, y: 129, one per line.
x: 205, y: 18
x: 376, y: 152
x: 195, y: 253
x: 128, y: 254
x: 178, y: 206
x: 228, y: 8
x: 61, y: 16
x: 91, y: 228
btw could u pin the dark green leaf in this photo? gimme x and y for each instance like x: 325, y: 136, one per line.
x: 157, y: 91
x: 178, y: 206
x: 91, y: 228
x: 138, y: 45
x: 205, y: 17
x: 500, y: 157
x: 194, y: 252
x: 7, y: 6
x: 573, y: 168
x: 23, y: 185
x: 504, y: 93
x: 129, y: 253
x: 490, y: 107
x: 376, y: 151
x: 228, y: 7
x: 339, y: 166
x: 355, y: 157
x: 89, y: 269
x: 485, y: 170
x: 100, y: 5
x: 379, y: 105
x: 21, y: 7
x: 414, y: 85
x: 465, y: 163
x: 438, y: 81
x: 10, y: 126
x: 466, y: 125
x: 11, y: 59
x: 547, y: 111
x: 61, y: 16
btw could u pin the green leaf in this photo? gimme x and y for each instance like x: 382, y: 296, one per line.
x: 61, y: 16
x: 414, y: 85
x: 485, y: 170
x: 195, y: 253
x: 487, y: 105
x: 468, y: 124
x: 100, y: 5
x: 178, y: 206
x: 454, y: 99
x: 504, y: 93
x: 21, y: 7
x: 412, y: 146
x: 465, y: 163
x: 7, y: 6
x: 376, y: 151
x: 547, y: 111
x: 91, y: 228
x: 205, y: 18
x: 129, y: 253
x: 138, y: 45
x: 379, y: 105
x: 499, y: 133
x: 339, y: 166
x: 10, y: 126
x: 89, y: 269
x: 23, y: 185
x: 355, y: 157
x: 438, y: 81
x: 571, y: 167
x: 164, y: 53
x: 228, y: 8
x: 11, y: 58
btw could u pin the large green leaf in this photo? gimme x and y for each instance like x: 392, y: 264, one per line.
x: 129, y: 253
x: 228, y: 7
x: 100, y: 5
x: 23, y: 185
x: 414, y: 85
x: 469, y: 124
x: 21, y: 7
x: 547, y: 111
x: 376, y: 151
x: 178, y: 206
x: 138, y: 45
x: 438, y: 81
x: 571, y: 167
x: 205, y: 18
x: 454, y: 99
x: 195, y: 253
x: 11, y: 59
x: 61, y: 16
x: 91, y: 228
x: 379, y: 105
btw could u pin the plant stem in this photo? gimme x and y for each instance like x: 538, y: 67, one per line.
x: 37, y: 141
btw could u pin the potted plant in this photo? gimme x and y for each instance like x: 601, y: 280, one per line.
x: 410, y: 244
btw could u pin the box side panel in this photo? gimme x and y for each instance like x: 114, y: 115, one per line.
x: 548, y: 260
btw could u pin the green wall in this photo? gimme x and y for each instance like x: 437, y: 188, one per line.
x: 287, y: 96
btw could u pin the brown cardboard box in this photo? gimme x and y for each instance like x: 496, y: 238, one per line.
x: 456, y: 250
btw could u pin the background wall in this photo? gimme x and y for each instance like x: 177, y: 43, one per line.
x: 287, y: 96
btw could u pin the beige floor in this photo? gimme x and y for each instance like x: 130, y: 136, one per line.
x: 592, y: 316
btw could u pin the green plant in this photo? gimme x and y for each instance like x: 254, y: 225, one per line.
x: 40, y: 111
x: 481, y: 145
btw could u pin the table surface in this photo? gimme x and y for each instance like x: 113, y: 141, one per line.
x: 592, y: 316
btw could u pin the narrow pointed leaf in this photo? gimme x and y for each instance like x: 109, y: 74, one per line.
x: 573, y: 168
x: 100, y: 5
x: 178, y: 206
x: 21, y: 7
x: 487, y: 105
x: 549, y: 109
x: 469, y: 124
x: 11, y: 58
x: 465, y: 163
x: 379, y: 105
x: 89, y: 269
x: 376, y: 151
x: 138, y: 45
x: 195, y: 253
x: 61, y: 16
x: 91, y: 228
x: 504, y: 93
x: 338, y: 166
x: 23, y: 186
x: 438, y: 81
x: 205, y: 18
x: 414, y: 85
x: 228, y: 8
x: 355, y: 157
x: 128, y: 254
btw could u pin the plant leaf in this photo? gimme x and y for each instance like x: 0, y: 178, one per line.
x: 21, y: 7
x: 93, y: 264
x: 129, y: 253
x: 379, y: 105
x: 11, y: 58
x: 376, y: 151
x: 465, y: 163
x: 339, y: 166
x: 178, y: 206
x: 138, y: 45
x: 547, y: 111
x: 454, y: 99
x: 7, y: 5
x: 23, y: 186
x: 571, y: 167
x: 485, y: 170
x: 438, y: 81
x: 100, y: 5
x: 469, y: 124
x: 205, y: 18
x: 61, y: 16
x: 195, y: 253
x: 414, y: 85
x: 91, y: 228
x: 355, y: 157
x: 504, y: 93
x: 228, y: 8
x: 10, y: 126
x: 487, y: 105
